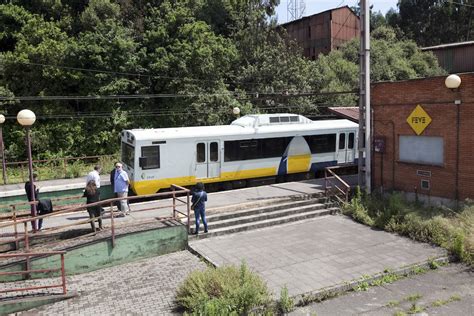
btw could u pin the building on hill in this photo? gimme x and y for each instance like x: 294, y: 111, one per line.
x: 325, y: 31
x: 424, y: 138
x: 454, y: 57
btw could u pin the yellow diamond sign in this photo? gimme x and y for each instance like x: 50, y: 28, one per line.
x: 419, y: 120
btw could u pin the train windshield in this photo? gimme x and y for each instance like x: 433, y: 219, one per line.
x: 128, y: 155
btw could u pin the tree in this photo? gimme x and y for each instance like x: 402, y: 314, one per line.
x: 430, y: 22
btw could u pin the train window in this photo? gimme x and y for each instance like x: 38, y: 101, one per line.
x: 255, y: 149
x: 351, y: 141
x: 128, y: 154
x: 150, y: 157
x: 273, y: 147
x: 213, y: 152
x: 342, y: 141
x: 201, y: 152
x: 325, y: 143
x: 284, y: 119
x: 294, y: 119
x: 274, y: 119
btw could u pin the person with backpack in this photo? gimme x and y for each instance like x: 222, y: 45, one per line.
x: 198, y: 201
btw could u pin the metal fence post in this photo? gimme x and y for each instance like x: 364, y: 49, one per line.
x: 112, y: 227
x: 63, y: 274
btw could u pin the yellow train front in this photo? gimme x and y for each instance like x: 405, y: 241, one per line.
x: 253, y: 146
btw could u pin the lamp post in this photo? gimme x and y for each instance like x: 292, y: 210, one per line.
x: 27, y: 118
x: 2, y: 150
x: 453, y: 82
x: 236, y: 111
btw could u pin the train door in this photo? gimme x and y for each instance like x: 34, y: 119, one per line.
x: 346, y: 148
x: 350, y: 147
x: 208, y: 160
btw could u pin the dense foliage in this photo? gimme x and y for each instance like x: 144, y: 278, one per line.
x: 190, y: 62
x: 429, y: 22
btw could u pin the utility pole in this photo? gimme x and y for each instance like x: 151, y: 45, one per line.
x: 365, y: 139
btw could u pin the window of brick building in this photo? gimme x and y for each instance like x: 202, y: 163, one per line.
x: 425, y: 150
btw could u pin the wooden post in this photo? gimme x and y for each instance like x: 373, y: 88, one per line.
x: 63, y: 274
x: 112, y: 227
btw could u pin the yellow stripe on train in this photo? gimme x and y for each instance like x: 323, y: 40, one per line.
x: 299, y: 163
x: 144, y: 187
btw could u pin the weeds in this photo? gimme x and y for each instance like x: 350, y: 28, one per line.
x: 286, y: 303
x: 453, y: 298
x: 453, y: 230
x: 224, y: 290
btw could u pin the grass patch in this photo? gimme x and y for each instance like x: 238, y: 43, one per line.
x: 445, y: 227
x: 223, y: 291
x: 439, y: 303
x: 61, y: 168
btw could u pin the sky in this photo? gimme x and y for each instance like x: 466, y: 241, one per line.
x: 316, y: 6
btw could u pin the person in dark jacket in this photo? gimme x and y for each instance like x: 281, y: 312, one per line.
x: 93, y: 195
x: 31, y: 197
x: 199, y: 206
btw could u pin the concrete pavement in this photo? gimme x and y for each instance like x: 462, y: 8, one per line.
x: 311, y: 255
x: 446, y: 291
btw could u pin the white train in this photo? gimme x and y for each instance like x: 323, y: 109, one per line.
x: 253, y: 146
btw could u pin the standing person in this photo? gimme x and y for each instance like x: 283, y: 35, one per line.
x: 112, y: 183
x: 121, y: 182
x: 93, y: 195
x: 95, y: 176
x: 32, y: 198
x: 199, y: 206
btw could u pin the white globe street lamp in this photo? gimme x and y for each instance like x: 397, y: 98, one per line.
x: 27, y: 118
x: 452, y: 82
x: 236, y: 111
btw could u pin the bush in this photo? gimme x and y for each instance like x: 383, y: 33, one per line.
x: 222, y: 291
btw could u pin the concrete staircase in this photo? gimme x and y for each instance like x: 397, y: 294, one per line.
x: 252, y: 217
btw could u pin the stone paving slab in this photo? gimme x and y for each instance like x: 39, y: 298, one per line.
x: 311, y: 255
x: 147, y: 286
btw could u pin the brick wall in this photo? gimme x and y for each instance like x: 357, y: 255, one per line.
x: 393, y: 102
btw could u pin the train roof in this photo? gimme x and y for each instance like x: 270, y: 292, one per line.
x: 246, y: 125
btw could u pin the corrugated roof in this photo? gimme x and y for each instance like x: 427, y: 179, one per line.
x: 448, y: 45
x: 350, y: 112
x: 309, y: 16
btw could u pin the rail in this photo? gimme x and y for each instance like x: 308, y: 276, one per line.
x: 335, y: 186
x: 59, y: 167
x: 28, y: 271
x: 176, y: 192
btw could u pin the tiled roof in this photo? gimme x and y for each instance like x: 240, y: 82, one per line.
x: 350, y: 113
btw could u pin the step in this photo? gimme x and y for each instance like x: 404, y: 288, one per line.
x: 267, y: 208
x: 264, y: 223
x: 259, y: 215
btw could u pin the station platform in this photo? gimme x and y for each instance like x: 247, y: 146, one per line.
x: 217, y: 201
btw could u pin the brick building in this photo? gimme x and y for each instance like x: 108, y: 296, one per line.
x: 325, y: 31
x: 435, y: 157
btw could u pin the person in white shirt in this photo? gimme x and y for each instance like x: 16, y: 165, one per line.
x: 95, y: 176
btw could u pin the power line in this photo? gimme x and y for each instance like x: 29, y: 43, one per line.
x: 106, y: 115
x: 155, y: 96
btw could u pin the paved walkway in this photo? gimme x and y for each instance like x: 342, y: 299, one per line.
x: 311, y: 255
x: 147, y: 286
x: 446, y: 291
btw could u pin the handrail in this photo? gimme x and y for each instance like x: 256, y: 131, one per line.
x: 14, y: 206
x: 63, y: 161
x: 328, y: 180
x: 176, y: 191
x: 28, y: 271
